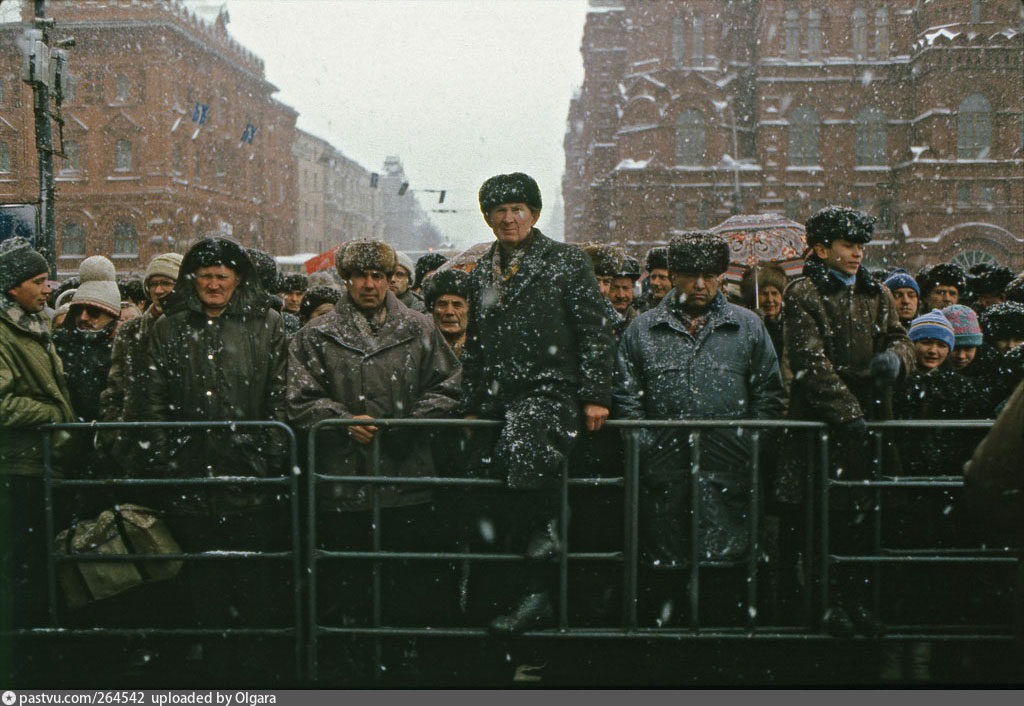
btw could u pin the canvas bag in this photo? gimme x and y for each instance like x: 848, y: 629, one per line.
x: 124, y: 529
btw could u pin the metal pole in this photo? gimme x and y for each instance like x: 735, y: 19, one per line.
x: 46, y: 239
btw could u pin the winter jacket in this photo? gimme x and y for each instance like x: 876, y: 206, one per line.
x: 997, y: 374
x: 123, y: 400
x: 728, y: 371
x: 547, y: 329
x: 32, y: 392
x: 86, y: 358
x: 226, y: 367
x: 831, y: 333
x: 414, y: 301
x: 335, y: 371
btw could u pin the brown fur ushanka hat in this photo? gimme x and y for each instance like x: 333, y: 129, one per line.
x: 606, y: 259
x: 360, y: 255
x: 698, y: 251
x: 766, y: 274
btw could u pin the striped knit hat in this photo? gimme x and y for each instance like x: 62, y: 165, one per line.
x: 965, y: 324
x: 935, y: 325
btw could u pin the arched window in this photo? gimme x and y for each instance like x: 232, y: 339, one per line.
x: 678, y: 42
x: 859, y: 33
x: 690, y: 138
x: 792, y: 35
x: 814, y: 35
x: 123, y: 87
x: 123, y: 156
x: 5, y: 158
x: 871, y: 137
x: 803, y: 137
x: 72, y: 161
x: 974, y: 133
x: 72, y: 239
x: 698, y: 40
x: 126, y: 240
x: 882, y: 33
x: 969, y: 258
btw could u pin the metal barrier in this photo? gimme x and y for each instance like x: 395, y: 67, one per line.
x: 306, y: 555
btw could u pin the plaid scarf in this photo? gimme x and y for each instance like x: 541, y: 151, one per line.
x: 502, y: 275
x: 37, y: 324
x: 693, y: 324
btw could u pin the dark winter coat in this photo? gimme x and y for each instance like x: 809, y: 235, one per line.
x: 336, y: 372
x: 728, y: 371
x: 123, y: 400
x: 227, y: 367
x: 997, y: 374
x: 548, y: 330
x: 86, y: 358
x: 831, y: 332
x: 32, y: 392
x: 414, y: 301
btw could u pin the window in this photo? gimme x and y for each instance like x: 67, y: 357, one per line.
x: 792, y: 35
x: 974, y: 129
x: 969, y: 258
x: 803, y: 137
x: 3, y: 92
x: 975, y: 10
x: 219, y: 161
x: 690, y: 138
x: 678, y: 42
x: 126, y: 240
x: 814, y: 35
x: 123, y: 156
x: 698, y: 40
x: 988, y: 193
x: 67, y: 87
x: 5, y: 158
x: 859, y: 33
x: 72, y: 157
x: 72, y: 240
x: 792, y: 210
x: 123, y: 87
x: 885, y: 214
x: 963, y: 192
x: 882, y: 33
x: 871, y: 133
x: 679, y: 216
x: 177, y: 159
x: 703, y: 214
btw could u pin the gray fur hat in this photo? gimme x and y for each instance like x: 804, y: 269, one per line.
x: 360, y: 255
x: 606, y: 259
x: 698, y: 251
x: 18, y: 262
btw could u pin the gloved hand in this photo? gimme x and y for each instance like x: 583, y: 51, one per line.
x: 885, y: 368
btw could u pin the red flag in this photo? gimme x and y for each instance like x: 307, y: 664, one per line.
x: 323, y: 261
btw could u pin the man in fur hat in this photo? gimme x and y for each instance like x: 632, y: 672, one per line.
x: 941, y: 285
x: 844, y: 350
x: 373, y: 357
x: 696, y: 356
x: 446, y: 295
x: 658, y: 282
x: 538, y: 355
x: 292, y: 289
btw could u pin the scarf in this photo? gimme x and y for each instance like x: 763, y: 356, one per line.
x: 37, y: 324
x: 370, y: 326
x: 502, y: 275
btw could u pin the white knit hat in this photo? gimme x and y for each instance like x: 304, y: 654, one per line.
x: 98, y: 286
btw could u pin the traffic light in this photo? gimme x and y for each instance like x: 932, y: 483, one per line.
x: 403, y: 188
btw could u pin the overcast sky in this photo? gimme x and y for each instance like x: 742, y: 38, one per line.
x: 458, y: 89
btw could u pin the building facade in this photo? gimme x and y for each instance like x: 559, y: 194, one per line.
x: 693, y: 111
x: 171, y: 132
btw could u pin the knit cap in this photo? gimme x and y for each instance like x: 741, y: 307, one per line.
x: 163, y: 265
x: 18, y: 262
x: 406, y: 262
x: 935, y: 325
x: 99, y: 285
x: 901, y: 279
x: 966, y: 328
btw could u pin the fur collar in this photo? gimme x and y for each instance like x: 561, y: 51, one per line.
x: 816, y: 270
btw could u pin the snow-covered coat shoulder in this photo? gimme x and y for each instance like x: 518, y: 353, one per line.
x: 546, y: 327
x: 405, y: 370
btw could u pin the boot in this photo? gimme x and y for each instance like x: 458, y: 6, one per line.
x: 533, y: 611
x: 544, y: 543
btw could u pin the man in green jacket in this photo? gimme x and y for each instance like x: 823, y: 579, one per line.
x: 32, y: 392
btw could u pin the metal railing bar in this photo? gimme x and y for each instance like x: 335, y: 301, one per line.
x: 754, y: 550
x: 631, y: 498
x: 877, y: 559
x: 694, y: 481
x: 563, y: 537
x: 455, y: 556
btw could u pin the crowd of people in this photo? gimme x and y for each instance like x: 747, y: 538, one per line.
x: 547, y: 337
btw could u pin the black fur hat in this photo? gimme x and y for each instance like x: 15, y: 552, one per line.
x: 1004, y: 320
x: 945, y: 274
x: 630, y: 268
x: 698, y: 251
x: 427, y: 264
x: 509, y: 188
x: 455, y: 282
x: 986, y: 279
x: 606, y: 259
x: 1015, y: 289
x: 657, y: 258
x: 315, y: 297
x: 266, y: 269
x: 839, y: 223
x: 295, y: 281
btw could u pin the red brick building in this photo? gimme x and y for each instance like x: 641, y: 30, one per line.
x: 171, y: 132
x: 912, y: 110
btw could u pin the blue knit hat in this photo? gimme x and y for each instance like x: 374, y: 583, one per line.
x: 935, y: 325
x: 901, y: 279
